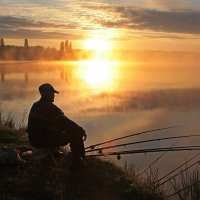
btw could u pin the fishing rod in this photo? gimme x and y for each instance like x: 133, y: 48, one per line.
x: 118, y: 153
x: 184, y: 188
x: 176, y: 168
x: 138, y: 142
x: 157, y: 159
x: 198, y: 162
x: 135, y: 134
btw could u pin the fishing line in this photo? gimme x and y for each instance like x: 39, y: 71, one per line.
x: 198, y: 162
x: 182, y: 189
x: 177, y: 168
x: 157, y: 159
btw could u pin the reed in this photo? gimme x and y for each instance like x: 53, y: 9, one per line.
x: 12, y: 131
x: 8, y: 119
x: 188, y: 186
x: 146, y: 181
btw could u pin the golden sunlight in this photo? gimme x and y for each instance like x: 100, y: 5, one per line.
x: 98, y: 74
x: 101, y: 48
x: 97, y: 44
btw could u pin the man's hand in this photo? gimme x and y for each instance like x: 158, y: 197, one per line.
x: 84, y: 135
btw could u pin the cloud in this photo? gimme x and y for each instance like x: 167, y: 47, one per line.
x: 36, y: 34
x: 180, y: 21
x: 163, y: 21
x: 13, y: 27
x: 170, y: 36
x: 152, y: 19
x: 14, y: 22
x: 168, y: 5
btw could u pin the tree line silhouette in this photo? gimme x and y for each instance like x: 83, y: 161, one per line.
x: 66, y: 52
x: 26, y: 52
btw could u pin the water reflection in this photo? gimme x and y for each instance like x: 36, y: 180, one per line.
x: 111, y: 99
x: 13, y: 70
x: 96, y: 87
x: 99, y: 75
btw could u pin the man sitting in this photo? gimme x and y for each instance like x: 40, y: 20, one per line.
x: 48, y: 127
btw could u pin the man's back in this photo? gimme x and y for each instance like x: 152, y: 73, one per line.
x: 41, y: 119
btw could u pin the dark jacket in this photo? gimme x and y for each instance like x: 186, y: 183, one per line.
x: 44, y: 117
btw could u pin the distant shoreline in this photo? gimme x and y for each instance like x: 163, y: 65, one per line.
x: 114, y: 55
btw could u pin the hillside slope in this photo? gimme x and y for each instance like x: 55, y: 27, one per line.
x: 100, y: 180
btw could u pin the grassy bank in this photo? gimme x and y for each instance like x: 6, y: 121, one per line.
x: 100, y: 180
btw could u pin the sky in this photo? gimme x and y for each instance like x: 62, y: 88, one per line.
x: 127, y: 24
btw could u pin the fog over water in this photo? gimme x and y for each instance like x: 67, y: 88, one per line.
x: 113, y: 99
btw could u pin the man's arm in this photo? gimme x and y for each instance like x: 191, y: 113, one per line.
x: 62, y: 122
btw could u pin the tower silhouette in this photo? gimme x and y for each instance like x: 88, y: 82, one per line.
x: 2, y: 42
x: 3, y: 74
x: 26, y: 43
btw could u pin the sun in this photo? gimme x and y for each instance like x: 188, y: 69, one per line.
x: 97, y: 44
x: 100, y: 47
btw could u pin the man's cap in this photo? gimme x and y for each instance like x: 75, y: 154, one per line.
x: 47, y: 88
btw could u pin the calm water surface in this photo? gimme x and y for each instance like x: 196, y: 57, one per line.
x: 112, y: 99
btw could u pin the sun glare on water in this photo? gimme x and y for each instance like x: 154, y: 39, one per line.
x: 98, y: 74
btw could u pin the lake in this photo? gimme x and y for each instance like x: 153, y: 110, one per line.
x: 114, y: 99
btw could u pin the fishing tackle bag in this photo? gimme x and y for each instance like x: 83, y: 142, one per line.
x: 9, y: 157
